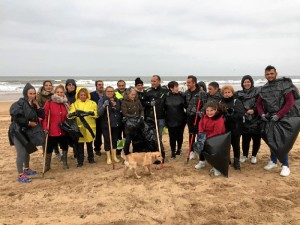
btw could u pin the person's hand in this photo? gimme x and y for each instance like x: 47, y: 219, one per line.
x: 105, y: 103
x: 46, y: 132
x: 263, y: 118
x: 32, y: 124
x: 274, y: 118
x: 35, y: 102
x: 142, y: 118
x: 152, y: 103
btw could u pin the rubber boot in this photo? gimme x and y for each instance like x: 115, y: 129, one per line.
x: 64, y: 160
x: 236, y: 164
x: 108, y: 158
x: 114, y: 154
x: 48, y: 162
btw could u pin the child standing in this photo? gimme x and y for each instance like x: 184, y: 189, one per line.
x: 210, y: 125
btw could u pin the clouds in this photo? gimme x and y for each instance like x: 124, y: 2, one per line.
x: 142, y: 37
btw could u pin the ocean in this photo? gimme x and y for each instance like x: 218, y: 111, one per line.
x: 11, y: 87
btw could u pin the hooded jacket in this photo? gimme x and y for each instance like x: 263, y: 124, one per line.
x: 21, y: 113
x: 56, y: 112
x: 43, y: 96
x: 131, y: 108
x: 87, y: 106
x: 71, y: 96
x: 212, y: 126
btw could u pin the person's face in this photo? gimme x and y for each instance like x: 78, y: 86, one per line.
x: 155, y: 82
x: 190, y: 84
x: 48, y: 86
x: 270, y: 75
x: 175, y: 89
x: 109, y: 92
x: 212, y: 90
x: 100, y: 86
x: 139, y: 87
x: 82, y: 96
x: 121, y: 86
x: 247, y: 84
x: 70, y: 87
x: 60, y: 92
x: 31, y: 94
x: 132, y: 95
x: 210, y: 112
x: 227, y: 93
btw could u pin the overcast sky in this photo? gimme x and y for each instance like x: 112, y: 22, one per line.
x: 141, y: 38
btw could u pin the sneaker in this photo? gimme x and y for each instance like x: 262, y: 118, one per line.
x: 243, y: 159
x: 23, y: 178
x: 285, y: 171
x: 253, y: 160
x: 270, y: 165
x: 29, y: 172
x: 192, y: 155
x: 215, y: 172
x: 200, y: 165
x: 173, y: 155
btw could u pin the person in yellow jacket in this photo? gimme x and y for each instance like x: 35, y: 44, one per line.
x: 85, y: 112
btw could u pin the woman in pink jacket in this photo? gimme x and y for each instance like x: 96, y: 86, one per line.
x: 56, y: 111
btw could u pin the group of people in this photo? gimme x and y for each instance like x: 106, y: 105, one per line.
x: 250, y: 114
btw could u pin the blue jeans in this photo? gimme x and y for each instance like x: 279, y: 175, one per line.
x: 285, y: 161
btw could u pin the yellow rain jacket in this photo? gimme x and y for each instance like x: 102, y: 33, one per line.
x: 87, y: 106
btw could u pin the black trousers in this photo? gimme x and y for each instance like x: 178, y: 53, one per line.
x: 191, y: 127
x: 54, y: 141
x: 235, y: 143
x: 115, y: 131
x: 80, y: 152
x: 246, y: 139
x: 98, y: 138
x: 176, y: 136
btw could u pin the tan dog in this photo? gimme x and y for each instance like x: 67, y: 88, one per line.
x: 144, y: 159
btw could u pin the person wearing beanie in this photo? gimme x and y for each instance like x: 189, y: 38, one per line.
x: 139, y: 87
x: 248, y: 97
x: 71, y: 90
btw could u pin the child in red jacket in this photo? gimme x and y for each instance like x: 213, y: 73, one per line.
x: 210, y: 125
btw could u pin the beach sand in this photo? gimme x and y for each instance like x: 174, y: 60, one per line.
x: 177, y: 194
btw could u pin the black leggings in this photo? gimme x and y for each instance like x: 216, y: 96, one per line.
x: 54, y: 141
x: 115, y: 131
x: 176, y: 135
x: 80, y: 152
x: 246, y: 139
x: 235, y: 143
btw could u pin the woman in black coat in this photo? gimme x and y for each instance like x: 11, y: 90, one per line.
x: 175, y: 117
x: 248, y: 97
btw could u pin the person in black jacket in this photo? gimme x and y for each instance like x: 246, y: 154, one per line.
x: 26, y: 130
x: 155, y: 96
x: 248, y: 97
x: 234, y: 112
x: 95, y: 96
x: 176, y: 117
x: 71, y: 90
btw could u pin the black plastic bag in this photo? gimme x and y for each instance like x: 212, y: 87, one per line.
x: 70, y: 126
x: 217, y: 152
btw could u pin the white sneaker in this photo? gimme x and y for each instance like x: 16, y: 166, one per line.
x: 200, y: 165
x: 243, y: 159
x: 270, y: 165
x: 216, y: 172
x: 192, y: 155
x: 253, y: 160
x: 285, y: 171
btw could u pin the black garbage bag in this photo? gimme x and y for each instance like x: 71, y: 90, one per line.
x: 144, y: 139
x: 70, y: 126
x: 134, y: 123
x: 217, y: 152
x: 24, y: 140
x: 280, y: 136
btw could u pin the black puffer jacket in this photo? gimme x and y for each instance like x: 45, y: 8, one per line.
x: 159, y: 96
x: 21, y: 113
x: 174, y: 107
x: 191, y: 101
x: 114, y: 113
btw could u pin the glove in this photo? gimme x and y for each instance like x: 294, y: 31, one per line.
x: 105, y: 103
x: 263, y: 118
x: 46, y: 132
x: 91, y: 113
x: 152, y: 103
x: 274, y: 118
x: 230, y: 111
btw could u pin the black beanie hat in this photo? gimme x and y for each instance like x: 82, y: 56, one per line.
x: 138, y: 81
x: 247, y: 77
x: 71, y: 81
